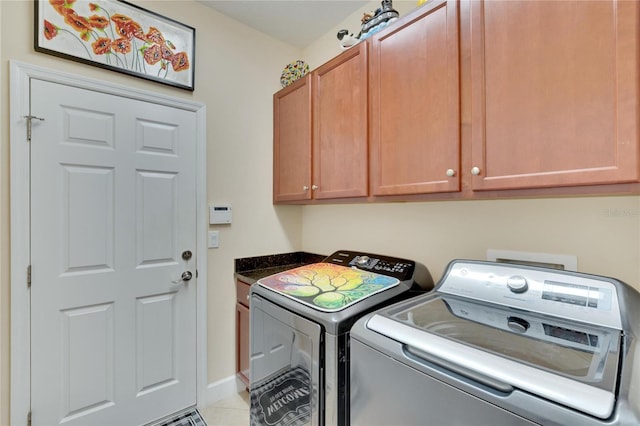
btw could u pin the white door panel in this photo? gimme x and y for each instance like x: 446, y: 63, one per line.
x: 113, y: 199
x: 88, y: 344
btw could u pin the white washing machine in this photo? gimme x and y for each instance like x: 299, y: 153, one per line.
x: 499, y: 344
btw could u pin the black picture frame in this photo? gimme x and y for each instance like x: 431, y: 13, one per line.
x: 118, y: 36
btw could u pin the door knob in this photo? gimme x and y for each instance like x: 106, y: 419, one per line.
x: 186, y: 276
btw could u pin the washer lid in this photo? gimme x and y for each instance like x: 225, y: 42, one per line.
x: 327, y: 287
x: 570, y: 363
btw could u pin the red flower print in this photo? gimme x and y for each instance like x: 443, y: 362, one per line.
x: 58, y: 6
x: 50, y: 30
x: 101, y: 46
x: 64, y: 11
x: 112, y: 38
x: 155, y: 36
x: 121, y: 45
x: 130, y: 29
x: 121, y: 31
x: 152, y: 55
x: 78, y: 22
x: 126, y: 26
x: 166, y: 52
x: 121, y: 19
x: 136, y: 30
x: 97, y: 21
x: 180, y: 61
x: 61, y: 5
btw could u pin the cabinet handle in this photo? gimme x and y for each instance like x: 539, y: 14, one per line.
x: 314, y: 187
x: 248, y: 297
x: 305, y: 188
x: 475, y: 171
x: 451, y: 172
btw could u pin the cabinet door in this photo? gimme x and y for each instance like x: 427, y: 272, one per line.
x: 340, y: 158
x: 242, y: 330
x: 292, y: 142
x: 242, y: 342
x: 554, y: 93
x: 414, y: 103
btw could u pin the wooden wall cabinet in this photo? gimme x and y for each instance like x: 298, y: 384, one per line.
x: 476, y: 99
x: 292, y: 142
x: 339, y: 93
x: 554, y: 93
x: 414, y: 103
x: 320, y: 132
x: 242, y: 331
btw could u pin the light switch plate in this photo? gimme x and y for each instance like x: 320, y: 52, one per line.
x: 213, y: 240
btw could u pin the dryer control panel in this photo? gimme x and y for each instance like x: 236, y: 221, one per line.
x: 402, y: 269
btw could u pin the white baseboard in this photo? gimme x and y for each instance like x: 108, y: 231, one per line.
x: 222, y: 389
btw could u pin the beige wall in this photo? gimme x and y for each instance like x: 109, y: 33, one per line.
x: 238, y: 70
x: 603, y: 232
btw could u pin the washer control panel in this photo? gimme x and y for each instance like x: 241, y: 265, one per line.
x: 401, y: 269
x: 580, y: 297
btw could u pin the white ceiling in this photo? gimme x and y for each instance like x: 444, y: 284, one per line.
x: 297, y: 22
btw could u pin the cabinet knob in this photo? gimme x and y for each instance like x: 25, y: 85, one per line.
x: 305, y: 188
x: 314, y: 187
x: 451, y: 172
x: 475, y: 171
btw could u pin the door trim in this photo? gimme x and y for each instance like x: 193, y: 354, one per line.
x: 20, y: 75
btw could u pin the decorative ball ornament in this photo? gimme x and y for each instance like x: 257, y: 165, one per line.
x: 293, y: 71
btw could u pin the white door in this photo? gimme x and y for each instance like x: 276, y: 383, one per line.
x: 113, y: 209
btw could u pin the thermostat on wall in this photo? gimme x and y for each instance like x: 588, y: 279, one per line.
x: 219, y: 214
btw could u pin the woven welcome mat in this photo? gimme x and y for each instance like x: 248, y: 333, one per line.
x: 282, y: 401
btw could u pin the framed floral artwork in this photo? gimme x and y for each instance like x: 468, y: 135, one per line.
x: 118, y: 36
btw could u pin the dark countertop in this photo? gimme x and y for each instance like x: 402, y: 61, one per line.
x: 251, y: 269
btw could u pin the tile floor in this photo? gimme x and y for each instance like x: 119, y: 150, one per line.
x: 233, y: 411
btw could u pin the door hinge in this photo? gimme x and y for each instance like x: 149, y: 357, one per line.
x: 29, y: 418
x: 29, y: 118
x: 29, y: 276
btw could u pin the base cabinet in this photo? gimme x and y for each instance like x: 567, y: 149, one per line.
x: 242, y: 331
